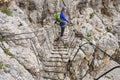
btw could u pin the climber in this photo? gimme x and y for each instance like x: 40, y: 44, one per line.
x: 63, y: 21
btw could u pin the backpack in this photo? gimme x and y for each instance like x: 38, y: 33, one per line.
x: 58, y: 17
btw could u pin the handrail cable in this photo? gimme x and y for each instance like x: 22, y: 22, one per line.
x: 106, y: 53
x: 12, y: 34
x: 94, y: 55
x: 94, y: 46
x: 71, y: 41
x: 36, y: 54
x: 69, y: 64
x: 107, y: 72
x: 21, y: 38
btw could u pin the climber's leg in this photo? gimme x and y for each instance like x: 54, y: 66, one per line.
x: 62, y: 31
x: 62, y: 25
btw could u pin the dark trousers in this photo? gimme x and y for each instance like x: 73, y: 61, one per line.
x: 62, y: 25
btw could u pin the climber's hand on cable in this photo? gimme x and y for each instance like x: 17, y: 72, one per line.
x: 71, y: 24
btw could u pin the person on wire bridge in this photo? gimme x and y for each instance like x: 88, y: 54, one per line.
x: 63, y: 20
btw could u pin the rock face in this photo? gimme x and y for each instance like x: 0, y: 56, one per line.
x: 22, y: 56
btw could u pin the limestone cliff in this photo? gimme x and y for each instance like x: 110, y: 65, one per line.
x: 28, y: 32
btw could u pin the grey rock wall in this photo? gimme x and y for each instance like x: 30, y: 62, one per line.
x: 97, y: 21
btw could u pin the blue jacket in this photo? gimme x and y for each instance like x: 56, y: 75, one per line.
x: 63, y: 17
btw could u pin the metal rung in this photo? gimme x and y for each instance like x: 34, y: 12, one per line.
x: 54, y: 71
x: 60, y: 57
x: 55, y: 61
x: 54, y: 66
x: 52, y: 59
x: 46, y: 77
x: 53, y: 76
x: 60, y: 53
x: 60, y: 49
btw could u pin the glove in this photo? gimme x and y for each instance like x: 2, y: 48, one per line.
x: 70, y: 22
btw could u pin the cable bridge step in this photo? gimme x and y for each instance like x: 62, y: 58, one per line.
x: 60, y: 47
x: 63, y: 57
x: 55, y: 64
x: 59, y: 44
x: 51, y: 78
x: 54, y: 76
x: 61, y: 54
x: 52, y: 71
x: 55, y: 68
x: 60, y: 50
x: 52, y: 59
x: 61, y: 41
